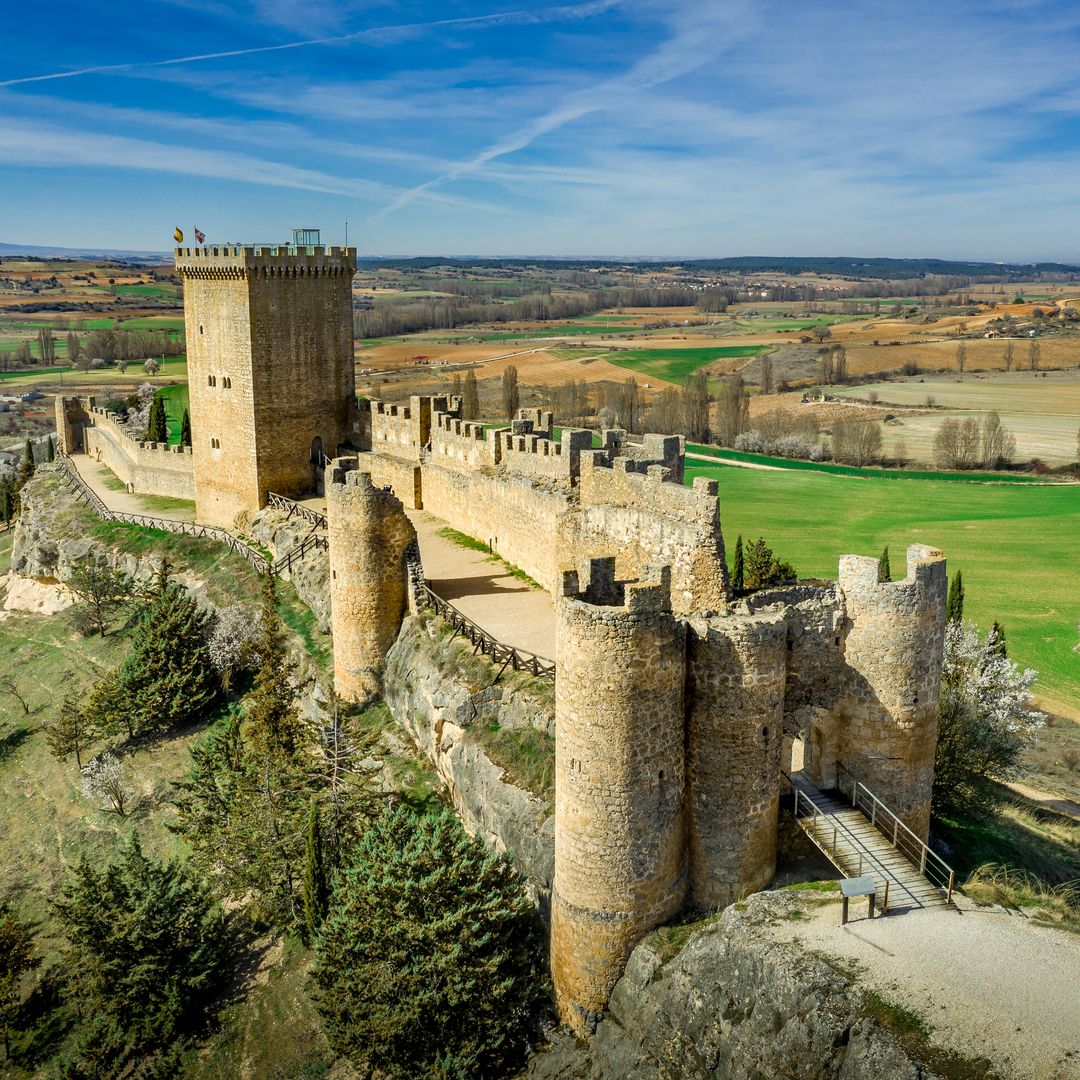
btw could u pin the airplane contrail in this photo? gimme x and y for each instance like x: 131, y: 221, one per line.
x: 501, y: 18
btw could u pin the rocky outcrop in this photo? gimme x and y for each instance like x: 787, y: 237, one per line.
x: 51, y: 538
x: 443, y: 697
x: 731, y: 1005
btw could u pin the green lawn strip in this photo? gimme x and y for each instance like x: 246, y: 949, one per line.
x: 176, y: 401
x: 1016, y: 545
x: 722, y: 454
x: 576, y: 330
x: 673, y: 365
x: 164, y: 291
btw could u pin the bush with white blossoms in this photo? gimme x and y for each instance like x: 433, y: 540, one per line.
x: 985, y: 721
x: 104, y: 779
x: 234, y: 641
x: 138, y: 416
x: 788, y: 446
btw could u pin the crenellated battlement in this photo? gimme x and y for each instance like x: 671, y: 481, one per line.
x: 624, y: 481
x: 240, y: 262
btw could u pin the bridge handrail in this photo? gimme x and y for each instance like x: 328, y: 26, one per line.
x: 931, y: 865
x: 485, y: 644
x: 255, y: 559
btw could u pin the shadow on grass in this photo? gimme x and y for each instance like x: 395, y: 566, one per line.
x: 11, y: 742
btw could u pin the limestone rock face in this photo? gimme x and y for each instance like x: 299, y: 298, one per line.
x: 310, y: 575
x: 731, y: 1005
x: 431, y: 697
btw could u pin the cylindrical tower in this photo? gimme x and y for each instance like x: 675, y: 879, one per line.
x: 620, y: 863
x: 735, y: 727
x: 368, y: 533
x: 893, y: 656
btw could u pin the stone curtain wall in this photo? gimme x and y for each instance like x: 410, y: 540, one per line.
x: 461, y: 443
x: 403, y: 477
x: 368, y: 533
x: 893, y: 652
x: 148, y: 468
x: 270, y: 369
x: 735, y: 720
x: 620, y: 855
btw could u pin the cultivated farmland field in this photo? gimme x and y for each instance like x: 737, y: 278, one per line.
x: 673, y: 365
x: 1017, y: 546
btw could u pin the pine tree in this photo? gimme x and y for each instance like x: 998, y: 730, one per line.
x: 738, y: 571
x: 185, y: 429
x: 72, y: 731
x: 16, y: 958
x: 954, y: 605
x: 884, y: 569
x: 422, y: 979
x: 145, y: 943
x: 316, y: 886
x: 167, y: 678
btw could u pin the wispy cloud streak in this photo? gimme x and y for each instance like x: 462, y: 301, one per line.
x: 502, y: 18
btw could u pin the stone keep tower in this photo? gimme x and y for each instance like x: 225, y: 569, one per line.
x: 369, y: 534
x: 620, y: 855
x: 894, y: 649
x: 270, y: 370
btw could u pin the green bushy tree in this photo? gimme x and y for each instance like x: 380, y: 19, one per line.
x: 884, y: 569
x: 763, y: 569
x: 72, y: 731
x: 738, y: 570
x: 157, y: 429
x: 185, y: 429
x: 954, y: 605
x: 145, y: 947
x: 16, y: 959
x: 429, y: 962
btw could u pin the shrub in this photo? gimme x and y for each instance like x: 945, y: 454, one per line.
x: 429, y: 962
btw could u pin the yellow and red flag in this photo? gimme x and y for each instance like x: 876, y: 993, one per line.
x: 178, y: 236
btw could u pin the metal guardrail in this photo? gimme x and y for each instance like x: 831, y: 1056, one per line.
x: 827, y: 832
x: 931, y: 865
x: 484, y: 644
x: 290, y: 506
x: 255, y: 559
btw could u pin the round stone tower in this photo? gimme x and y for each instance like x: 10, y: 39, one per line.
x: 735, y: 727
x: 893, y: 657
x: 369, y: 534
x: 620, y: 863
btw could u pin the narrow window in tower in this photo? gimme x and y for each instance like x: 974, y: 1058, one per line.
x: 200, y: 328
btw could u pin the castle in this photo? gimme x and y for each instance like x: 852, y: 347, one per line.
x: 677, y: 706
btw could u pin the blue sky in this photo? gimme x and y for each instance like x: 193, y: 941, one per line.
x: 622, y: 127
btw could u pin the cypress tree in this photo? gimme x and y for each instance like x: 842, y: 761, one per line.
x: 24, y: 474
x: 954, y: 606
x: 997, y: 636
x: 884, y: 569
x: 157, y: 430
x: 185, y: 429
x: 272, y: 718
x: 316, y: 886
x: 738, y: 571
x: 7, y: 499
x: 50, y: 450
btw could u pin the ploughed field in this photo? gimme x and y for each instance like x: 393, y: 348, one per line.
x: 1016, y: 545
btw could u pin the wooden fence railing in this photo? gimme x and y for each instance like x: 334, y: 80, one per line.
x: 290, y: 506
x: 485, y: 644
x: 255, y: 559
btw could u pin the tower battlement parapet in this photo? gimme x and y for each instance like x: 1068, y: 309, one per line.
x: 265, y: 261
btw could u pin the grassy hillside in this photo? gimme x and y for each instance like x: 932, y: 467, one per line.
x: 1017, y: 546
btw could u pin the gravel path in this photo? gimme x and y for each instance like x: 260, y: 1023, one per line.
x: 988, y: 982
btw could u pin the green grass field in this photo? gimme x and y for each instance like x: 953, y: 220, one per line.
x: 176, y: 401
x: 673, y: 365
x: 169, y: 291
x: 1017, y: 547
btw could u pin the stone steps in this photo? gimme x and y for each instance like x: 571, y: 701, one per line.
x: 855, y: 847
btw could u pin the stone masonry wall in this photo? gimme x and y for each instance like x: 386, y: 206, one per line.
x: 620, y: 854
x: 402, y: 476
x: 735, y: 714
x: 368, y: 533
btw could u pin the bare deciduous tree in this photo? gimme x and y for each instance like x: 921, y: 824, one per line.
x: 8, y: 685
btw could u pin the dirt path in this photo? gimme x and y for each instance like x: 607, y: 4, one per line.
x: 1047, y: 801
x: 738, y: 464
x: 97, y: 476
x: 988, y: 982
x: 481, y: 589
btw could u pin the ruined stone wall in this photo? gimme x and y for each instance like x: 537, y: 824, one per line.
x: 523, y: 452
x: 270, y: 370
x: 72, y: 416
x: 403, y: 477
x: 888, y: 733
x: 735, y: 711
x: 518, y: 518
x: 368, y: 533
x: 620, y: 852
x: 647, y: 518
x: 666, y: 450
x: 145, y: 467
